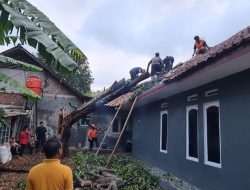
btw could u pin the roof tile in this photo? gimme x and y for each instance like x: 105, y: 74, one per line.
x: 119, y: 100
x: 192, y: 63
x: 12, y: 99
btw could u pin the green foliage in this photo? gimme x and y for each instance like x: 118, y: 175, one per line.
x: 143, y: 87
x: 129, y: 169
x: 21, y: 185
x: 34, y: 28
x: 88, y: 93
x: 87, y: 159
x: 126, y: 169
x: 80, y: 79
x: 23, y: 66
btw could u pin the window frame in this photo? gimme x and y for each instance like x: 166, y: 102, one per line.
x: 161, y: 114
x: 85, y: 123
x: 188, y: 108
x: 118, y: 127
x: 206, y: 161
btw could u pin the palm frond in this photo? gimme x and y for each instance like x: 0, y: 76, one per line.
x: 36, y: 29
x: 23, y: 65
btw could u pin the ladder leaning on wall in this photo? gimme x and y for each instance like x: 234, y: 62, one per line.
x: 111, y: 124
x: 123, y: 129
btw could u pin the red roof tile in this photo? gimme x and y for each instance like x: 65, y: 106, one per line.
x: 12, y: 99
x: 119, y: 100
x: 233, y: 42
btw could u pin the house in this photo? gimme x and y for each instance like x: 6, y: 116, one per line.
x: 195, y: 123
x: 56, y: 94
x: 110, y: 120
x: 14, y: 106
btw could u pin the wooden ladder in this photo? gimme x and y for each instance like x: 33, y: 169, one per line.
x: 111, y: 124
x: 123, y: 129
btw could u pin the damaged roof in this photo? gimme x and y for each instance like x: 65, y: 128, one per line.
x: 119, y: 100
x: 196, y: 63
x: 182, y: 69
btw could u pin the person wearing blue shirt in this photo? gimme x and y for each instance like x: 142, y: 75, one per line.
x: 134, y: 72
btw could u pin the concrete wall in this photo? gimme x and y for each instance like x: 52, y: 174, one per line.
x: 103, y: 117
x: 55, y: 96
x: 234, y: 100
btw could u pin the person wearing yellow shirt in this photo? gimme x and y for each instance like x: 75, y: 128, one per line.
x: 50, y: 174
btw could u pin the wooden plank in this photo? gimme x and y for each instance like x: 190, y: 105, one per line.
x: 123, y: 129
x: 108, y: 130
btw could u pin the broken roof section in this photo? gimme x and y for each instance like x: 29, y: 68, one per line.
x: 120, y: 100
x: 125, y: 98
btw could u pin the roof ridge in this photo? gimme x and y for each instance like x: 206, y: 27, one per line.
x: 232, y: 42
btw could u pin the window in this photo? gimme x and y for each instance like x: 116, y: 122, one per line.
x: 164, y: 132
x: 122, y: 123
x: 192, y: 133
x: 212, y: 135
x: 115, y: 127
x: 118, y: 125
x: 83, y: 121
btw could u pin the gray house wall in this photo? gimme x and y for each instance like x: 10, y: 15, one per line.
x: 103, y: 116
x: 234, y: 101
x: 55, y: 96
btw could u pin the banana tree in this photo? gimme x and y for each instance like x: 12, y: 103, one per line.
x: 33, y: 27
x: 24, y: 66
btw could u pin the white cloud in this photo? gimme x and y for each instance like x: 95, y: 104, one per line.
x: 218, y: 7
x: 117, y: 35
x: 108, y: 66
x: 69, y: 16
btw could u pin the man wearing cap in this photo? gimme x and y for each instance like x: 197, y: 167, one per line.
x: 92, y: 136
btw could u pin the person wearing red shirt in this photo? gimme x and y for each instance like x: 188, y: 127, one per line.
x: 24, y: 139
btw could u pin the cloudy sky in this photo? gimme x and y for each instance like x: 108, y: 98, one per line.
x: 117, y: 35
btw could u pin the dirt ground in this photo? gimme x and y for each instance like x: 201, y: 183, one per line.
x: 10, y: 180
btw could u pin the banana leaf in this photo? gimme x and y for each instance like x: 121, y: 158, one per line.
x: 23, y: 65
x: 21, y: 88
x: 36, y: 29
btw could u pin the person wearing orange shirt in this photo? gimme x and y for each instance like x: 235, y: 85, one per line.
x: 200, y: 46
x: 92, y: 136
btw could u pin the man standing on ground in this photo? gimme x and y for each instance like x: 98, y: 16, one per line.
x: 51, y: 174
x: 92, y: 136
x: 156, y: 64
x: 41, y: 136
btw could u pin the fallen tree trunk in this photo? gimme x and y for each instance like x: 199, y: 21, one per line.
x: 117, y: 89
x: 110, y: 95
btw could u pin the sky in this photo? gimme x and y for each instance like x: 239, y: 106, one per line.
x: 117, y: 35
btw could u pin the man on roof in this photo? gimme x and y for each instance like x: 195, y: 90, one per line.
x: 200, y: 46
x: 167, y: 63
x: 156, y: 65
x: 134, y: 72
